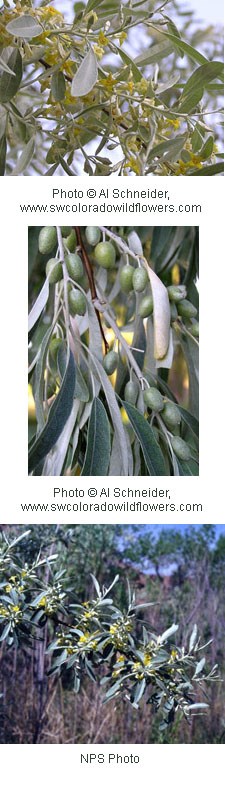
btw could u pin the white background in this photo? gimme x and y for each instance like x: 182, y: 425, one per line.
x: 175, y: 763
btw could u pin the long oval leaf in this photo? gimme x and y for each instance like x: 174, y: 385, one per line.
x: 152, y: 454
x: 203, y: 75
x: 2, y: 155
x: 25, y: 158
x: 9, y: 83
x: 115, y: 415
x: 161, y: 315
x: 58, y: 417
x: 97, y: 456
x: 86, y: 75
x: 39, y: 305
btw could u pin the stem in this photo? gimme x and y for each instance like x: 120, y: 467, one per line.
x: 89, y: 271
x: 101, y: 307
x: 65, y: 282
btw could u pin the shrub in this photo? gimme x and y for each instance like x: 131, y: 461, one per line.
x: 66, y: 84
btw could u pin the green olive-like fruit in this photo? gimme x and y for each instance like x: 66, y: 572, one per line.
x: 131, y: 392
x: 140, y: 279
x: 153, y: 399
x: 47, y: 239
x: 70, y: 241
x: 92, y: 234
x: 176, y: 293
x: 194, y: 329
x: 187, y: 309
x: 54, y: 348
x: 181, y: 448
x: 146, y: 306
x: 77, y: 302
x: 126, y: 278
x: 54, y: 270
x: 66, y: 231
x: 74, y: 266
x: 110, y: 362
x: 105, y: 254
x: 171, y: 415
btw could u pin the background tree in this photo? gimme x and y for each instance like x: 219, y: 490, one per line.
x: 119, y: 88
x: 113, y: 350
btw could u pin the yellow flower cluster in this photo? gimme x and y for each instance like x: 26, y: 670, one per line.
x: 193, y: 163
x: 133, y: 164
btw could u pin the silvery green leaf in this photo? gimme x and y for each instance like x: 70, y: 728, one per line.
x: 86, y: 75
x: 193, y: 637
x: 166, y: 362
x: 115, y: 414
x: 161, y: 315
x: 5, y: 67
x: 24, y: 26
x: 135, y: 243
x: 198, y: 706
x: 167, y: 634
x: 199, y: 667
x: 10, y: 79
x: 39, y: 305
x: 25, y: 158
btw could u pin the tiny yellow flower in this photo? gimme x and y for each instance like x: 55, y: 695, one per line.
x: 143, y: 85
x: 130, y: 87
x: 122, y: 37
x: 147, y: 659
x: 84, y: 638
x: 102, y: 39
x: 42, y: 603
x: 98, y: 50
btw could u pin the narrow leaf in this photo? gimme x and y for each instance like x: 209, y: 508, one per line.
x: 9, y: 83
x: 25, y: 158
x: 97, y: 456
x: 39, y: 305
x: 161, y: 315
x: 58, y: 86
x: 115, y: 415
x: 145, y: 434
x: 202, y: 76
x: 128, y: 61
x: 198, y: 706
x: 199, y: 667
x: 167, y: 634
x: 86, y: 75
x: 3, y: 148
x: 208, y: 171
x: 193, y: 637
x: 58, y: 416
x: 5, y: 67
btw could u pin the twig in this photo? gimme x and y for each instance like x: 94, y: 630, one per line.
x: 89, y: 271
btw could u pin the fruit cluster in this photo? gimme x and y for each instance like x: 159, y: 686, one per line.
x: 132, y: 279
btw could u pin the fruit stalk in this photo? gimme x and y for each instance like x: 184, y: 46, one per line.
x: 88, y: 268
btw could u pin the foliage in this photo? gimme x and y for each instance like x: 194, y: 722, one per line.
x: 97, y: 639
x: 92, y: 373
x: 121, y: 76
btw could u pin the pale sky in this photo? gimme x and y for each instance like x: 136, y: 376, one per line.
x: 211, y: 10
